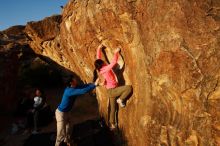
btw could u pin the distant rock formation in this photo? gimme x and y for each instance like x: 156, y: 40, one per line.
x: 12, y: 46
x: 171, y: 56
x: 20, y: 65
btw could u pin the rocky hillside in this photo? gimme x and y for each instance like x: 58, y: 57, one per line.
x: 21, y: 69
x: 169, y: 54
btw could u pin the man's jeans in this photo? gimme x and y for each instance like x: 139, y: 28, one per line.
x: 63, y: 127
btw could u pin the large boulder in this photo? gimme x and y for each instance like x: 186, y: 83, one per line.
x: 171, y: 56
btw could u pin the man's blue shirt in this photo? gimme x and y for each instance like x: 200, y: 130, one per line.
x: 70, y: 94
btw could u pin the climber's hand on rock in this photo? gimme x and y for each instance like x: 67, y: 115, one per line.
x: 117, y: 50
x: 100, y: 46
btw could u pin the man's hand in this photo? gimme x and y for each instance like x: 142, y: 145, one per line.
x: 97, y: 82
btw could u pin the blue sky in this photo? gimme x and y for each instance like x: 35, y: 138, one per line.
x: 19, y: 12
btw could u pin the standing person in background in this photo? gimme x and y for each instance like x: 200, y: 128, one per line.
x: 63, y: 111
x: 111, y: 83
x: 39, y: 103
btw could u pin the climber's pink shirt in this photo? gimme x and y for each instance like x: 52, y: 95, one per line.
x: 107, y: 72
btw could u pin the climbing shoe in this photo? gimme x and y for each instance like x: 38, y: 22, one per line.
x: 119, y: 101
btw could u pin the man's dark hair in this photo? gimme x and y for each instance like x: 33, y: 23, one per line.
x: 69, y: 80
x: 40, y: 89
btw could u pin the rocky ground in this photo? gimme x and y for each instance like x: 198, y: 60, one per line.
x: 84, y: 109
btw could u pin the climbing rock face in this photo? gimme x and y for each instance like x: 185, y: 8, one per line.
x: 169, y: 54
x: 171, y: 57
